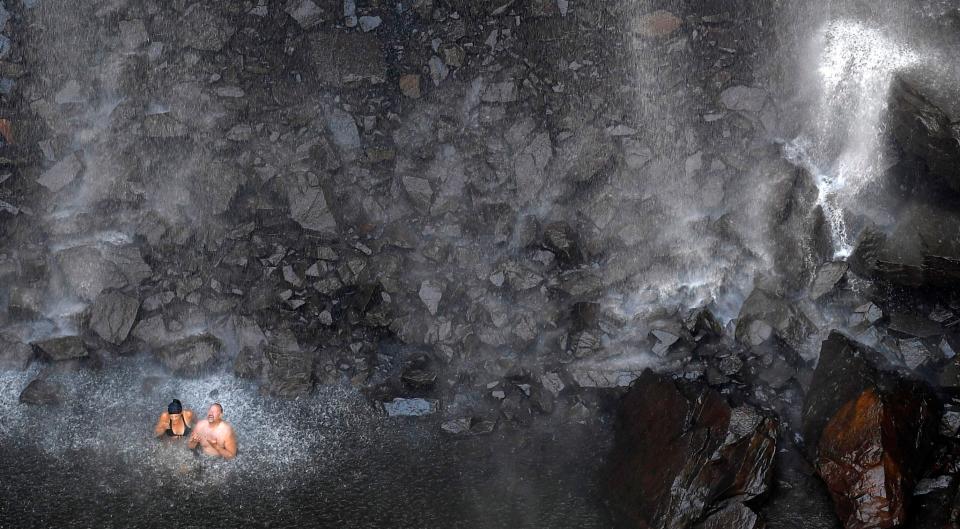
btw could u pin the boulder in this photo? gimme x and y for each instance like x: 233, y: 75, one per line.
x: 682, y: 451
x: 62, y: 173
x: 923, y: 249
x: 14, y: 354
x: 308, y: 204
x: 305, y: 12
x: 828, y: 275
x: 62, y: 348
x: 289, y: 371
x: 112, y: 315
x: 869, y: 430
x: 191, y: 356
x: 923, y: 116
x: 40, y: 391
x: 764, y: 314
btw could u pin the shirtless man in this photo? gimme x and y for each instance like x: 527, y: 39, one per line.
x: 214, y: 436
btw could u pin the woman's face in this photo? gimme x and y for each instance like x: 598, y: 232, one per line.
x: 176, y: 417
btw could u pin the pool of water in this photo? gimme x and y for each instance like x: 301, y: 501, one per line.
x: 330, y: 460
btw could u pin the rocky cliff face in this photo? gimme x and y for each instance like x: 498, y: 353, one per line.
x: 504, y: 212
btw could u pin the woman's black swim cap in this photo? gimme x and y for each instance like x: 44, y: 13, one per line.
x: 174, y: 407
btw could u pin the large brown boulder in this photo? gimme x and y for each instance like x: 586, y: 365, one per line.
x: 682, y: 452
x: 868, y: 428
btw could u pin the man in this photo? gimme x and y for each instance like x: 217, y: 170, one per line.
x: 215, y: 437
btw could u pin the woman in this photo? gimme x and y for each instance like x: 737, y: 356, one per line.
x: 175, y: 422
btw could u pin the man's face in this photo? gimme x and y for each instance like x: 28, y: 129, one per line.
x: 213, y: 414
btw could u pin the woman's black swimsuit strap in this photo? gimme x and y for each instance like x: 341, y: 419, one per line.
x: 186, y: 430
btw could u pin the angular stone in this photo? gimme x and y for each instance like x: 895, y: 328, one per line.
x: 87, y: 271
x: 583, y: 155
x: 430, y: 293
x: 744, y: 98
x: 399, y: 407
x: 205, y: 28
x: 828, y: 275
x: 681, y: 451
x: 62, y: 173
x: 782, y: 317
x: 913, y: 325
x: 419, y: 192
x: 308, y: 205
x: 289, y: 370
x: 468, y: 427
x: 924, y: 114
x: 192, y: 356
x: 343, y: 58
x: 112, y: 315
x: 305, y: 12
x: 42, y: 392
x: 869, y: 429
x: 500, y: 92
x: 62, y: 348
x: 14, y: 354
x: 660, y: 23
x: 410, y: 85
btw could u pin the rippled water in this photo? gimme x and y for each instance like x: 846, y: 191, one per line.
x: 331, y: 460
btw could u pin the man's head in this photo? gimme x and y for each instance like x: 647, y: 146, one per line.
x: 214, y: 413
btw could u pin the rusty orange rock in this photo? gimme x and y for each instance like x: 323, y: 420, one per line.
x: 6, y: 130
x: 870, y: 455
x: 658, y: 24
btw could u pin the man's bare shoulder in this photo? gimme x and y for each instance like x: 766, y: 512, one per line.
x: 227, y: 429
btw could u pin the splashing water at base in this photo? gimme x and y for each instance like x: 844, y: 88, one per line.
x: 845, y: 152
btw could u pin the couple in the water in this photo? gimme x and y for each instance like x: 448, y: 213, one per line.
x: 214, y: 436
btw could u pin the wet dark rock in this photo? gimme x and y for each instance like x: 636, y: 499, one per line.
x: 44, y: 392
x: 869, y: 429
x: 682, y: 451
x: 62, y: 348
x: 345, y: 58
x: 191, y: 356
x: 468, y: 427
x: 112, y: 316
x: 913, y: 325
x: 732, y: 516
x: 204, y: 28
x: 420, y: 379
x: 924, y: 115
x: 582, y: 156
x: 25, y: 303
x: 14, y: 354
x: 924, y: 249
x: 289, y: 371
x: 828, y: 275
x: 763, y: 314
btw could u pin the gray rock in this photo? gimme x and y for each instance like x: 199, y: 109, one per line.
x: 163, y: 125
x: 343, y: 130
x: 500, y: 92
x: 112, y: 316
x: 308, y: 204
x: 914, y: 325
x: 305, y: 12
x: 344, y: 58
x: 468, y: 427
x: 289, y: 370
x: 191, y: 356
x: 14, y: 354
x: 827, y: 277
x: 786, y: 320
x: 70, y: 93
x: 430, y: 294
x: 419, y: 192
x: 205, y: 28
x: 370, y: 23
x: 62, y: 173
x: 43, y: 392
x: 133, y: 33
x: 744, y: 98
x: 62, y: 348
x: 411, y: 407
x: 87, y: 271
x: 916, y: 354
x: 583, y: 155
x: 25, y: 302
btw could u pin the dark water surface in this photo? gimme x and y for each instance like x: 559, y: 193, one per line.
x: 327, y: 461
